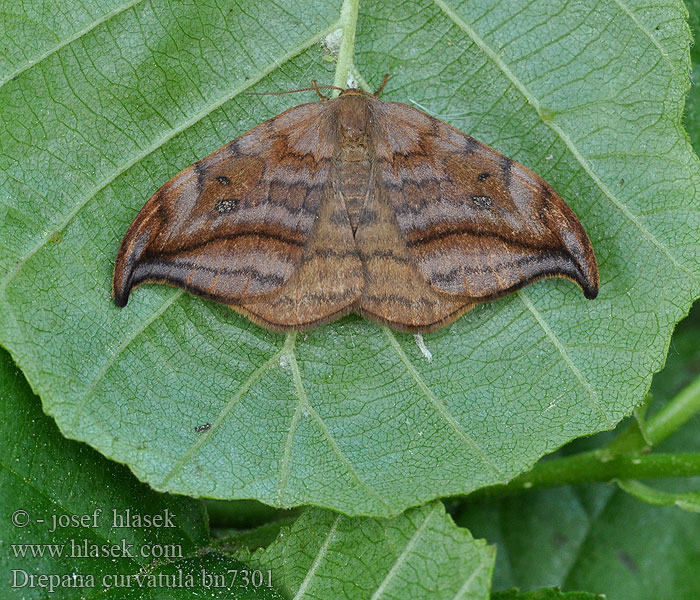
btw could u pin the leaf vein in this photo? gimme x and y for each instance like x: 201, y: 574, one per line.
x: 626, y: 9
x: 462, y: 592
x: 71, y: 38
x: 223, y: 413
x: 118, y: 352
x: 306, y: 404
x: 289, y: 442
x: 404, y: 554
x: 319, y: 557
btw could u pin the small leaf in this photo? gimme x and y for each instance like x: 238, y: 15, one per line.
x: 96, y: 115
x: 420, y: 554
x: 689, y: 501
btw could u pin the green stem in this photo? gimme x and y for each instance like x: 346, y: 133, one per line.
x: 361, y: 81
x: 596, y: 466
x: 348, y: 23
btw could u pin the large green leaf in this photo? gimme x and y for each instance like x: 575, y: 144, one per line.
x: 595, y: 539
x: 350, y: 416
x: 46, y: 481
x: 419, y: 554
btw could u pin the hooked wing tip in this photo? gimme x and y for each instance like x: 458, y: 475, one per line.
x: 121, y: 284
x: 128, y: 257
x: 581, y: 256
x: 590, y: 291
x: 586, y: 272
x: 121, y: 297
x: 587, y: 276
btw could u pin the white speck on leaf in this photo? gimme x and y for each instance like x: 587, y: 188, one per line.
x: 332, y: 41
x: 423, y: 348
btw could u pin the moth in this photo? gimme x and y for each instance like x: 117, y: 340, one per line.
x: 353, y: 204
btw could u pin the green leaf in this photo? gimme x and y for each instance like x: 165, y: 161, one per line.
x: 689, y: 501
x: 252, y: 539
x: 419, y: 554
x: 46, y: 481
x: 545, y: 594
x: 34, y: 31
x: 350, y: 416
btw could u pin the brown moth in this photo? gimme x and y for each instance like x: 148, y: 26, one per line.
x: 358, y: 205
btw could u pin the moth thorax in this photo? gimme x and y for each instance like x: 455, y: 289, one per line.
x: 353, y: 117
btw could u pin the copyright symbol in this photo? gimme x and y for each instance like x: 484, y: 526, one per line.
x: 20, y: 518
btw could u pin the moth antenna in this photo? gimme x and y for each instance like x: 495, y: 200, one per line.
x: 318, y: 91
x: 381, y: 87
x: 314, y: 88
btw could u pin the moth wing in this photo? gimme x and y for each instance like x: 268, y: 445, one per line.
x: 233, y: 226
x: 476, y: 224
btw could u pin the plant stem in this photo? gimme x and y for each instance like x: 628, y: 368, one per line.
x: 596, y: 466
x: 348, y: 23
